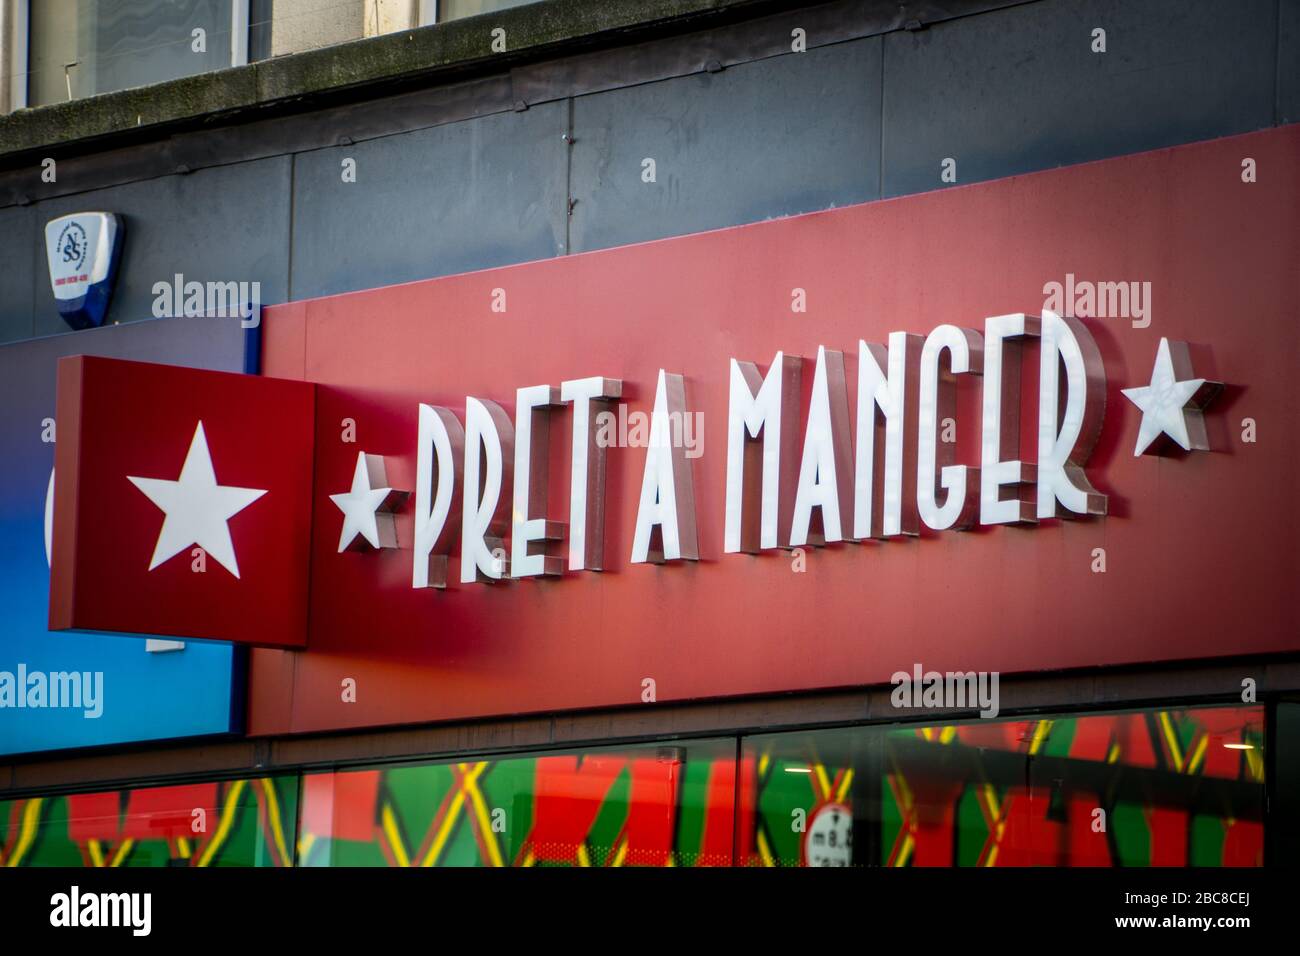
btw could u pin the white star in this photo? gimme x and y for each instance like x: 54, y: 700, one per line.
x: 197, y: 508
x: 367, y: 507
x: 1172, y: 405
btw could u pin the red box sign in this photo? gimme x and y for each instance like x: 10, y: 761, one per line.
x: 182, y: 502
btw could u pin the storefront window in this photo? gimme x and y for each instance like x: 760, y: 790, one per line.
x: 230, y: 823
x: 663, y: 805
x: 1141, y: 788
x: 83, y: 47
x: 1149, y: 788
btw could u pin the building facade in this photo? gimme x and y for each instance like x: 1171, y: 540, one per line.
x: 850, y: 524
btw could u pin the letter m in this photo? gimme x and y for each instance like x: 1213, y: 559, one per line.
x: 1112, y: 300
x: 116, y: 909
x: 223, y: 299
x: 65, y: 689
x: 962, y: 687
x: 762, y: 437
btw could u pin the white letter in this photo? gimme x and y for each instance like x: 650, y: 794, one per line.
x: 162, y: 301
x: 251, y: 315
x: 938, y: 396
x: 1000, y: 437
x: 1061, y: 455
x: 825, y: 479
x: 587, y: 471
x: 884, y: 398
x: 667, y: 490
x: 442, y: 439
x: 488, y: 434
x: 59, y: 913
x: 142, y: 917
x: 769, y: 410
x: 532, y: 469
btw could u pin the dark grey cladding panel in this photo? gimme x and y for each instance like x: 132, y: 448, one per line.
x: 321, y: 126
x: 20, y: 271
x: 1020, y: 89
x: 221, y: 224
x: 470, y: 195
x: 791, y: 134
x: 1288, y: 62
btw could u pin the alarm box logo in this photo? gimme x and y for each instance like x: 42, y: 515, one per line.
x: 82, y: 250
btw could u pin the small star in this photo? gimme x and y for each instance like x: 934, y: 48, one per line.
x: 367, y: 508
x: 1171, y: 405
x: 197, y: 509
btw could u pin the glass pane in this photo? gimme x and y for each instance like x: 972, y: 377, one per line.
x: 1285, y: 818
x: 260, y: 22
x: 231, y: 823
x: 634, y: 806
x: 1151, y: 788
x: 83, y: 47
x: 455, y: 9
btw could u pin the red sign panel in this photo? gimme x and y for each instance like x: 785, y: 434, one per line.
x: 1195, y: 557
x: 182, y: 503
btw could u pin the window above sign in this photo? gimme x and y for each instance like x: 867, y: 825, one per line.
x: 79, y: 48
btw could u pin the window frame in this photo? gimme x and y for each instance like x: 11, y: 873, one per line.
x: 239, y: 32
x: 18, y: 44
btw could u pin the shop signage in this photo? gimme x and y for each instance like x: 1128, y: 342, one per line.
x: 201, y: 452
x: 435, y: 503
x: 895, y: 477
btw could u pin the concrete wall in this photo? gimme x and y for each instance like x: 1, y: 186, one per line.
x: 298, y: 25
x: 1003, y: 92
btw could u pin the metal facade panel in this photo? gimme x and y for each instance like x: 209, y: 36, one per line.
x: 18, y: 278
x: 1003, y: 92
x: 1288, y: 62
x: 471, y: 195
x: 791, y: 134
x: 1020, y: 89
x: 322, y: 124
x: 226, y: 223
